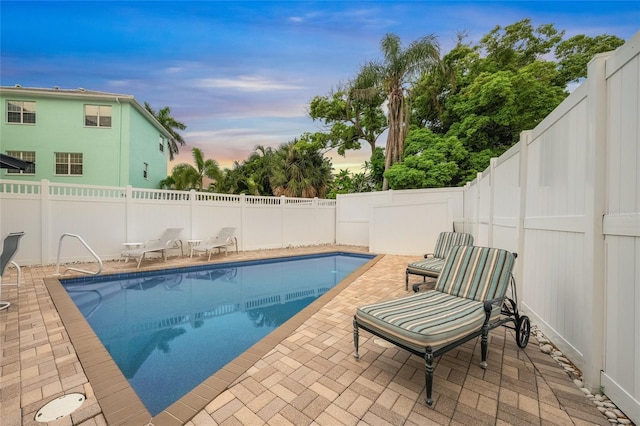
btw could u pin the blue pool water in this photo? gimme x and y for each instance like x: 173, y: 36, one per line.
x: 170, y: 330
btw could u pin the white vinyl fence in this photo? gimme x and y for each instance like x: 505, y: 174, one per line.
x: 566, y: 198
x: 398, y: 222
x: 106, y: 217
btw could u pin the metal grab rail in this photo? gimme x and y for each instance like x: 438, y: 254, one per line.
x: 93, y: 253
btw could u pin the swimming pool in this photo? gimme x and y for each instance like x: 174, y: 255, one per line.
x: 199, y: 318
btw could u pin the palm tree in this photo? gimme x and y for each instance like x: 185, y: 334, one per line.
x: 205, y: 168
x: 170, y: 124
x: 390, y: 77
x: 300, y: 171
x: 185, y: 176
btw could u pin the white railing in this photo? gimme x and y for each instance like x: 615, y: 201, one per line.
x: 110, y: 216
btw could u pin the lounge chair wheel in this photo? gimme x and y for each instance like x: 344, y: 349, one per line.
x: 523, y: 329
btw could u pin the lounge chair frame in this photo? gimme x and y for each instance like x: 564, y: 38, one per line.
x: 222, y: 241
x: 433, y: 262
x: 10, y: 246
x: 509, y: 318
x: 169, y: 239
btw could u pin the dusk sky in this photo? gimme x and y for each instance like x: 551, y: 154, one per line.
x: 242, y: 73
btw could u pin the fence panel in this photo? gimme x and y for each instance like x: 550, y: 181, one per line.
x: 470, y: 200
x: 621, y: 226
x: 554, y: 222
x: 506, y: 200
x: 106, y: 217
x: 354, y: 217
x: 484, y: 209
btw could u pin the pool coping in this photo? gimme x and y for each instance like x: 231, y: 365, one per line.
x: 117, y: 399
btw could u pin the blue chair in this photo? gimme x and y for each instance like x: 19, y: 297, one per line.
x: 9, y: 249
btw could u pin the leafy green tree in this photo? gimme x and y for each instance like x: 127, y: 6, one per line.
x: 349, y: 119
x: 494, y: 90
x: 391, y: 76
x: 517, y: 45
x: 259, y: 167
x: 574, y: 54
x: 238, y: 180
x: 430, y: 161
x: 370, y: 179
x: 252, y: 176
x: 171, y: 125
x: 186, y: 177
x: 168, y: 183
x: 496, y: 107
x: 300, y: 170
x: 206, y: 168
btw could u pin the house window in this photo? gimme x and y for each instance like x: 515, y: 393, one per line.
x: 145, y: 171
x: 97, y: 115
x: 21, y: 112
x: 26, y: 156
x: 161, y: 144
x: 68, y: 163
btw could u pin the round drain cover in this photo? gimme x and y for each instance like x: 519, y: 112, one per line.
x: 60, y: 407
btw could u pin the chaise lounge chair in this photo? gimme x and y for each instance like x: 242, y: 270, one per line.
x: 432, y: 263
x: 468, y: 301
x: 224, y: 239
x: 9, y: 249
x: 169, y: 239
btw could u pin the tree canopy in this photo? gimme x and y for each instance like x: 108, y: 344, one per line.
x: 446, y: 117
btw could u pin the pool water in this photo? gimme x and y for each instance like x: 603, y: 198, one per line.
x: 170, y: 330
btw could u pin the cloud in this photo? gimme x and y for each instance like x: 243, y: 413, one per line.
x: 246, y: 83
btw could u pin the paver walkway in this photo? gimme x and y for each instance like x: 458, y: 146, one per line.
x: 308, y: 378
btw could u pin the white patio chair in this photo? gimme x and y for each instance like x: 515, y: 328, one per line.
x: 169, y: 239
x: 222, y: 241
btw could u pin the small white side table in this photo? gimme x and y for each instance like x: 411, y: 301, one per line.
x: 192, y: 244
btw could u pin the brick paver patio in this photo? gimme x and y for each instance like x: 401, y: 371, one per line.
x: 304, y: 375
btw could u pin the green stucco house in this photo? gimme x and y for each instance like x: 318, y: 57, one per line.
x: 81, y: 136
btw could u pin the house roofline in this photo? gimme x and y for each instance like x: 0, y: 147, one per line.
x: 84, y: 94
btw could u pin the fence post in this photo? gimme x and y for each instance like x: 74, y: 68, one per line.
x: 283, y: 206
x: 129, y: 213
x: 316, y: 227
x: 525, y: 139
x: 192, y: 211
x: 45, y: 220
x: 476, y: 214
x: 243, y: 221
x: 465, y: 223
x: 595, y: 204
x: 493, y: 162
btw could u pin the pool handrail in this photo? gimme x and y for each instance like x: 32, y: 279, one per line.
x: 93, y: 253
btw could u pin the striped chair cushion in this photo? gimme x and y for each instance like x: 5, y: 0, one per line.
x: 424, y: 319
x: 446, y: 240
x: 478, y: 273
x: 429, y: 266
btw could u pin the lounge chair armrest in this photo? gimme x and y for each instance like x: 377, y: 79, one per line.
x: 429, y: 255
x: 488, y: 307
x: 488, y: 304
